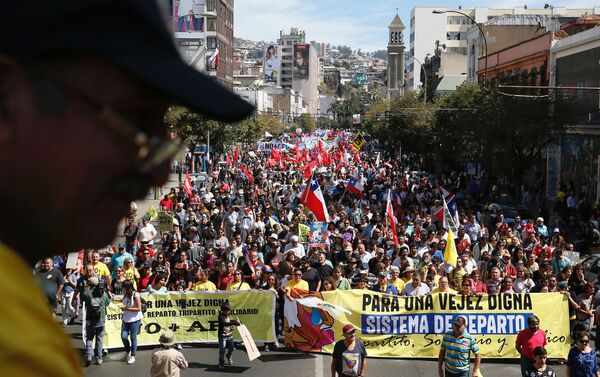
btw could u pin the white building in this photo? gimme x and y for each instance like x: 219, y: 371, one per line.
x: 450, y: 29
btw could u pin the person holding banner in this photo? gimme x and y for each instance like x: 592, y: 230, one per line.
x: 349, y: 356
x: 457, y: 344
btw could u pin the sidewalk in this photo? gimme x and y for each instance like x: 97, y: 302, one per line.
x: 144, y: 204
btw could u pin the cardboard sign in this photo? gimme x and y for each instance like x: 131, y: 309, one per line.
x: 251, y: 348
x: 165, y: 221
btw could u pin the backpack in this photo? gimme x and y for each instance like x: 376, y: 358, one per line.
x: 95, y: 310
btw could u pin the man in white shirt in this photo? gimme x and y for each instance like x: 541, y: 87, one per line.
x: 147, y: 232
x: 298, y: 248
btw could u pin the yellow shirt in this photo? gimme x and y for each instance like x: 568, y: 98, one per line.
x: 291, y: 284
x: 399, y: 284
x: 31, y: 342
x: 100, y: 269
x: 132, y: 275
x: 243, y: 286
x: 208, y: 286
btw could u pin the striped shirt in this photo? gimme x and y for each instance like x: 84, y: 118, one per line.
x: 457, y: 351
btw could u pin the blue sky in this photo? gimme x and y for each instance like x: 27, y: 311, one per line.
x: 356, y: 23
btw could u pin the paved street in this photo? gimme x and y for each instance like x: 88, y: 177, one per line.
x: 203, y: 362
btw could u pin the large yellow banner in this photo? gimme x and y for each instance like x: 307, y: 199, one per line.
x: 193, y: 316
x: 397, y: 326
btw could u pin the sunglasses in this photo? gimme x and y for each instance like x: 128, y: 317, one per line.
x: 584, y: 341
x: 152, y: 151
x: 237, y: 273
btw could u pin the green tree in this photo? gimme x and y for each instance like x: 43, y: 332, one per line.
x: 507, y: 133
x: 306, y: 122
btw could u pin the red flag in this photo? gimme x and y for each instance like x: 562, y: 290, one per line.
x: 247, y: 173
x: 235, y: 155
x: 275, y: 155
x: 187, y: 184
x: 308, y: 170
x: 390, y: 214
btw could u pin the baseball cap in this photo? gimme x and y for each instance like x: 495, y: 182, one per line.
x: 348, y: 329
x: 131, y: 34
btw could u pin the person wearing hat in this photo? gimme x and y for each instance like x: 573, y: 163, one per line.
x: 96, y: 300
x: 166, y: 360
x: 349, y: 356
x: 225, y: 333
x: 383, y: 285
x: 295, y: 246
x: 540, y: 228
x: 118, y: 259
x: 457, y: 345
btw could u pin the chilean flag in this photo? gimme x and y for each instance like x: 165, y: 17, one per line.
x: 390, y: 214
x: 355, y: 186
x: 312, y: 197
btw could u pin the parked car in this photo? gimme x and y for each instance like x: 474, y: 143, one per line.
x: 591, y: 267
x: 511, y: 211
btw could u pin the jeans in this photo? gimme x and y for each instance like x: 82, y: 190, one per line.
x: 66, y: 304
x: 525, y: 364
x: 461, y: 374
x: 225, y: 343
x: 130, y: 329
x: 94, y: 330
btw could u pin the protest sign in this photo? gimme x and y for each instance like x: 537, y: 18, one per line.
x: 165, y: 221
x: 407, y: 326
x: 193, y: 316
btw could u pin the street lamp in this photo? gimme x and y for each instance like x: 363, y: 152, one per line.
x: 436, y: 11
x: 422, y: 69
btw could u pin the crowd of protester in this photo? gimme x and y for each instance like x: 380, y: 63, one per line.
x: 240, y: 229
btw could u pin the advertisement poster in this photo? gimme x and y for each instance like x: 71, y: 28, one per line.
x: 188, y: 17
x: 301, y: 56
x: 271, y: 63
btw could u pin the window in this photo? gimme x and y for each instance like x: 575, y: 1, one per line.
x: 452, y: 36
x: 289, y: 43
x: 211, y: 43
x: 458, y: 20
x: 211, y: 24
x: 211, y: 5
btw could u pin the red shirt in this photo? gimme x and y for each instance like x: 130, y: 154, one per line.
x: 224, y: 281
x: 168, y: 204
x: 140, y: 252
x: 143, y: 283
x: 528, y: 341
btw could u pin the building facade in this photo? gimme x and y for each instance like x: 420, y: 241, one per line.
x: 203, y: 32
x: 454, y: 31
x: 286, y: 44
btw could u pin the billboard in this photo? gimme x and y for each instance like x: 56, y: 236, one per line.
x: 301, y: 56
x: 188, y: 17
x: 271, y: 63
